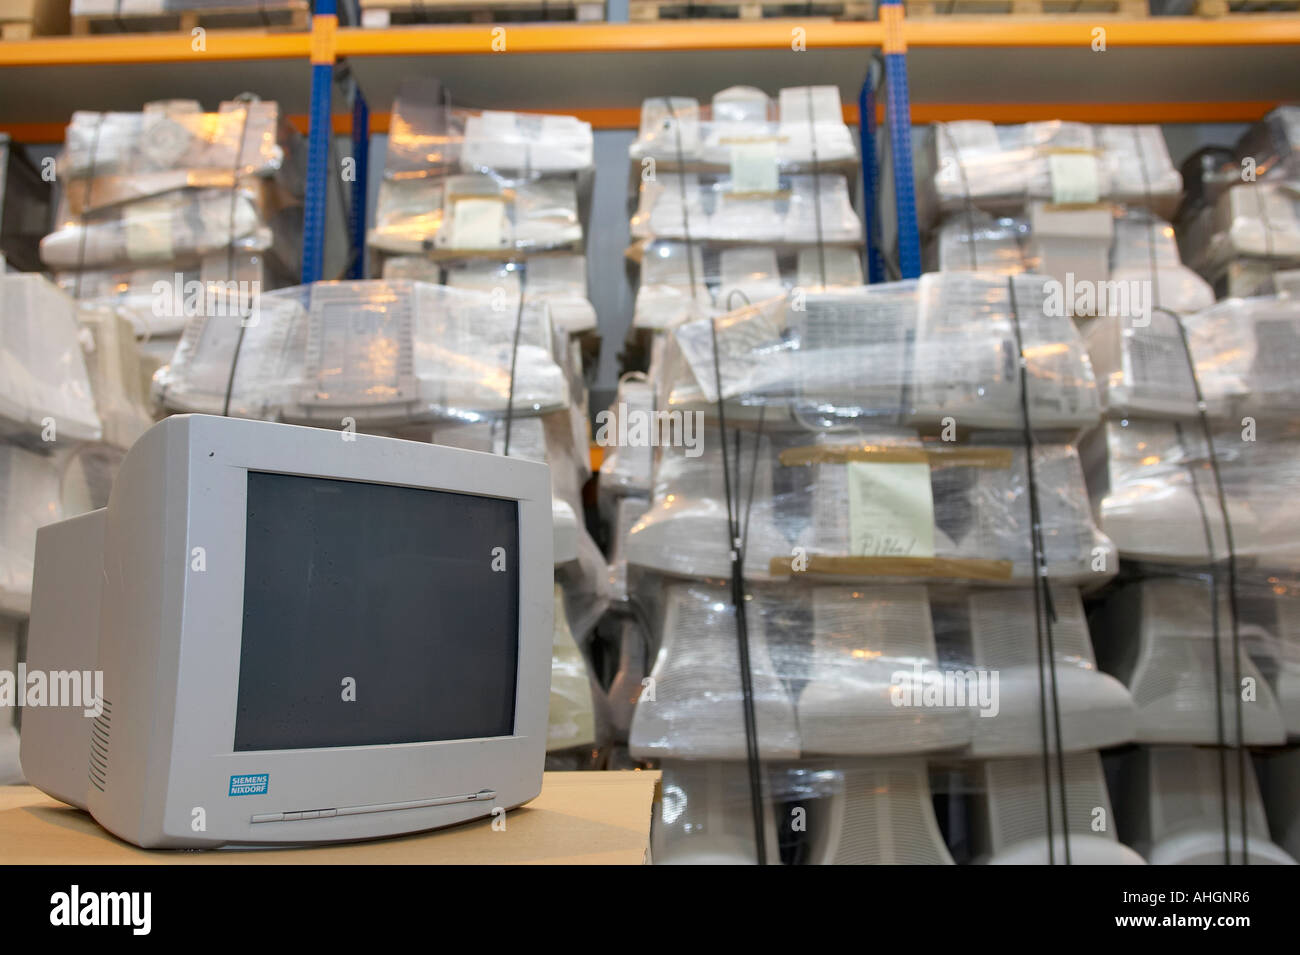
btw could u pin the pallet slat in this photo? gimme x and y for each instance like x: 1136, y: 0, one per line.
x: 24, y: 19
x: 379, y: 14
x: 277, y: 14
x: 1133, y: 9
x: 650, y: 10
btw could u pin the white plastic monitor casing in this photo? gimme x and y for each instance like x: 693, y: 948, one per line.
x: 169, y: 646
x: 1173, y: 807
x: 880, y: 813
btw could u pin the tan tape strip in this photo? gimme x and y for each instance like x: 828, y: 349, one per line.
x: 936, y: 457
x: 925, y: 567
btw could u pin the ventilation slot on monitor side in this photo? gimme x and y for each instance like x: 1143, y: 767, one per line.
x: 99, y: 736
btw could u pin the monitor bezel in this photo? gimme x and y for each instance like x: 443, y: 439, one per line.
x: 208, y: 469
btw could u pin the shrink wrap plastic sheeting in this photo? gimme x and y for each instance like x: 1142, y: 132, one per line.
x: 915, y: 353
x: 1143, y: 250
x: 380, y: 353
x: 1003, y: 168
x: 478, y: 182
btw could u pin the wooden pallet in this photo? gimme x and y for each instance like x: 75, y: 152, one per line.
x: 24, y: 19
x: 644, y: 10
x: 380, y: 14
x: 1219, y: 8
x: 276, y: 14
x: 1131, y: 9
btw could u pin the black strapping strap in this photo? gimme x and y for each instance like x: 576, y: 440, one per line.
x: 735, y: 543
x: 817, y: 188
x: 1221, y: 734
x: 514, y: 357
x: 1233, y: 610
x: 230, y: 260
x: 1044, y: 608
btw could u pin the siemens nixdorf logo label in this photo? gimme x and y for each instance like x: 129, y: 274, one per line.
x: 254, y: 785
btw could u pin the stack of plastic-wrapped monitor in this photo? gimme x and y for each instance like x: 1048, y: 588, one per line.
x: 877, y: 491
x: 732, y: 202
x: 1193, y: 475
x: 172, y: 211
x: 472, y: 339
x: 1243, y: 231
x: 71, y: 403
x: 1086, y: 205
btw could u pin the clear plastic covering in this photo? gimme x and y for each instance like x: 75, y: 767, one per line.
x: 1172, y: 800
x: 818, y: 812
x: 1155, y: 494
x: 481, y: 182
x: 1003, y: 168
x: 476, y: 212
x: 45, y: 391
x: 571, y: 721
x: 1159, y: 636
x: 628, y: 458
x: 558, y: 280
x: 1018, y: 809
x: 628, y: 511
x: 241, y: 138
x: 379, y: 353
x: 1141, y: 260
x: 1245, y: 352
x: 877, y: 670
x: 681, y: 282
x: 113, y: 363
x: 798, y: 208
x: 743, y: 127
x: 938, y: 352
x: 183, y: 225
x: 159, y: 300
x: 1255, y: 221
x: 1273, y: 144
x: 29, y: 498
x: 427, y: 137
x: 882, y: 506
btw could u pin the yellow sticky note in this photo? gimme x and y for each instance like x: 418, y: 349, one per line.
x: 891, y: 510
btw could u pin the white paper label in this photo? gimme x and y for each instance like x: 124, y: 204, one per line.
x: 1075, y: 178
x: 753, y: 167
x: 478, y: 224
x: 891, y: 511
x: 148, y: 228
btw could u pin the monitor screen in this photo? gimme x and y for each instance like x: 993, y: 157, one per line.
x: 375, y: 614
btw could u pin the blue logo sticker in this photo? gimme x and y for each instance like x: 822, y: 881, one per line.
x: 254, y: 785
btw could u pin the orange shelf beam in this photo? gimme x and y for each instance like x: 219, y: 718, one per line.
x: 686, y: 35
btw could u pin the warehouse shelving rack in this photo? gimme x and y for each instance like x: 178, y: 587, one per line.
x: 1006, y: 69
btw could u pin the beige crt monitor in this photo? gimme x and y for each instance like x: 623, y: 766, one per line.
x: 304, y: 636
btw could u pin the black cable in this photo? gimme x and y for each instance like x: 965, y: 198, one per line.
x: 681, y: 187
x: 752, y: 758
x: 1209, y: 545
x: 1045, y: 603
x: 1221, y: 734
x: 817, y: 187
x: 1233, y: 609
x: 742, y: 627
x: 230, y: 262
x: 514, y: 357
